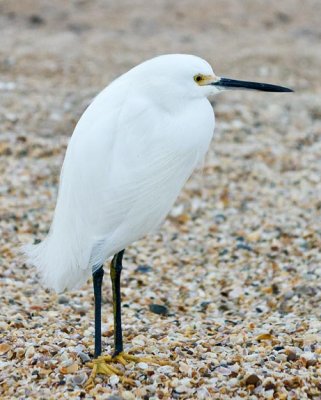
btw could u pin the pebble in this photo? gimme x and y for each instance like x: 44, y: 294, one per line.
x: 127, y: 395
x: 79, y: 379
x: 238, y: 257
x: 83, y: 356
x: 113, y: 380
x: 63, y: 299
x: 30, y: 352
x: 223, y: 371
x: 252, y: 379
x: 144, y: 269
x: 291, y: 356
x: 158, y: 309
x: 139, y: 340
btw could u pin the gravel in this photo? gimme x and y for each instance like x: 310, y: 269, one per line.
x: 236, y: 266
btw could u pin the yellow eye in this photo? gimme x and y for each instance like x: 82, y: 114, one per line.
x: 198, y: 78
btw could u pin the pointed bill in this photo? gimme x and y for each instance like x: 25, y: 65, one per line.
x: 230, y: 84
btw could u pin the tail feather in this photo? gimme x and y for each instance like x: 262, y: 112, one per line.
x: 56, y: 264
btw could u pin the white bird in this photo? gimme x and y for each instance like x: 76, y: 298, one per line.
x: 128, y: 158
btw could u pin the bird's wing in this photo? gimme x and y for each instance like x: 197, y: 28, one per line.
x: 124, y: 167
x: 116, y: 161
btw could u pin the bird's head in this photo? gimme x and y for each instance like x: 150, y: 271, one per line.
x: 190, y: 76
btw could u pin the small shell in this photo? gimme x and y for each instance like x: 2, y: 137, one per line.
x: 113, y: 380
x: 30, y: 352
x: 79, y: 379
x: 69, y: 369
x: 265, y: 336
x: 142, y: 365
x: 4, y: 348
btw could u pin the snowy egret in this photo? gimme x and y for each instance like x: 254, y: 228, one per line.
x: 128, y: 158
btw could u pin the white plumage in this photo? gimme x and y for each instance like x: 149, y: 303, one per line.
x: 129, y: 156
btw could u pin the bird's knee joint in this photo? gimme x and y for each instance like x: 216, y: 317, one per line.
x: 99, y: 273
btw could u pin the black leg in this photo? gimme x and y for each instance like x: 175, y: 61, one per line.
x: 115, y: 272
x: 98, y: 280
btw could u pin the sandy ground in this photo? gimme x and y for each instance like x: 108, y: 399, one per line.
x: 237, y: 264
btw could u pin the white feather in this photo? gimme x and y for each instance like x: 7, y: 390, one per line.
x: 129, y: 156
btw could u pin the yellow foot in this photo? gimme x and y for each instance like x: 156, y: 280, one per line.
x: 125, y: 358
x: 101, y: 365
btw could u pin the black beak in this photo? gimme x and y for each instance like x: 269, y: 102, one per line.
x: 226, y: 83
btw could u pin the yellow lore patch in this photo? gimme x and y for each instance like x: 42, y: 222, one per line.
x: 202, y: 80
